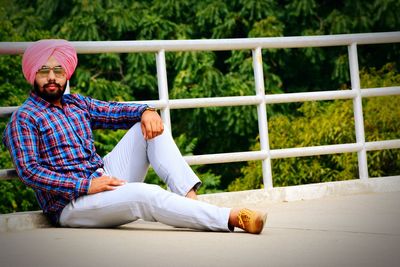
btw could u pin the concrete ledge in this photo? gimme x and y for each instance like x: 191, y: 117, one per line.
x: 35, y: 219
x: 304, y: 192
x: 23, y: 221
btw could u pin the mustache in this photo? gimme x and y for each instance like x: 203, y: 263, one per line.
x: 52, y: 84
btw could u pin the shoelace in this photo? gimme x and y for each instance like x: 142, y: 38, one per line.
x: 244, y: 216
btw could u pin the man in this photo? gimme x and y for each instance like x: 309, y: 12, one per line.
x: 51, y: 143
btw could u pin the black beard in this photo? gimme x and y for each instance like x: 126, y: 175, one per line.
x: 50, y: 97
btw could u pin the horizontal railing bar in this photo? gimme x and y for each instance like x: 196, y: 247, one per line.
x: 7, y: 111
x: 253, y: 100
x: 91, y: 47
x: 7, y: 174
x: 291, y: 152
x: 314, y: 150
x: 226, y: 157
x: 309, y: 96
x: 214, y: 102
x: 379, y: 145
x: 273, y: 99
x: 203, y: 102
x: 274, y: 154
x: 382, y: 91
x: 154, y: 103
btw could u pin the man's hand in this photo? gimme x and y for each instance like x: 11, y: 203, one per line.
x: 152, y: 124
x: 104, y: 183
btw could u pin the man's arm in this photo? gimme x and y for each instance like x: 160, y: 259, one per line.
x: 112, y: 115
x: 117, y: 115
x: 21, y: 139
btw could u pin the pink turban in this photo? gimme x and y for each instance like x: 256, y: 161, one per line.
x: 38, y: 53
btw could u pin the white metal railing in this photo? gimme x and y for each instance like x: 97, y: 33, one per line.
x: 259, y: 99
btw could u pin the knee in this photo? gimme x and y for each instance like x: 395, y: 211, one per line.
x: 136, y: 130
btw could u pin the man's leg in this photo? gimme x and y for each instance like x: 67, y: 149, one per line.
x: 130, y: 160
x: 148, y: 202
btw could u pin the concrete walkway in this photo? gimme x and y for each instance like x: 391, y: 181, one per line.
x: 357, y: 229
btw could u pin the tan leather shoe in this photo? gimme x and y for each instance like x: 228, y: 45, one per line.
x: 252, y: 221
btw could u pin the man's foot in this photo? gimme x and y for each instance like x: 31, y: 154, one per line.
x: 249, y: 220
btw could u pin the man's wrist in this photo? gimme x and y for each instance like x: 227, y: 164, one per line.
x: 150, y: 108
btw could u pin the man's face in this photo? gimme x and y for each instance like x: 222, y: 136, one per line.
x: 50, y: 81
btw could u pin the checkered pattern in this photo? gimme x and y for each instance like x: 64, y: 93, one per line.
x: 53, y: 149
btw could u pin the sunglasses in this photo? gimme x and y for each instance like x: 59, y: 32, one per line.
x: 58, y: 71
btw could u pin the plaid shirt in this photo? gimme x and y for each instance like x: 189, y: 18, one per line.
x: 53, y: 149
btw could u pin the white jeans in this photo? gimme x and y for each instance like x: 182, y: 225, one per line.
x: 130, y: 160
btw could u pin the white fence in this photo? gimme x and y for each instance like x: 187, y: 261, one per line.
x: 260, y: 99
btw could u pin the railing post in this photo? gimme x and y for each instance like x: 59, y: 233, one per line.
x: 163, y: 87
x: 262, y: 117
x: 358, y: 112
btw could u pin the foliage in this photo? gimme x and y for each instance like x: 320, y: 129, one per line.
x: 14, y: 196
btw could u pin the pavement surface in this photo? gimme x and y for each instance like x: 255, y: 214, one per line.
x: 341, y: 230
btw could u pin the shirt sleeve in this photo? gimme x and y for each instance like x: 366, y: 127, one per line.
x: 113, y: 115
x: 21, y: 139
